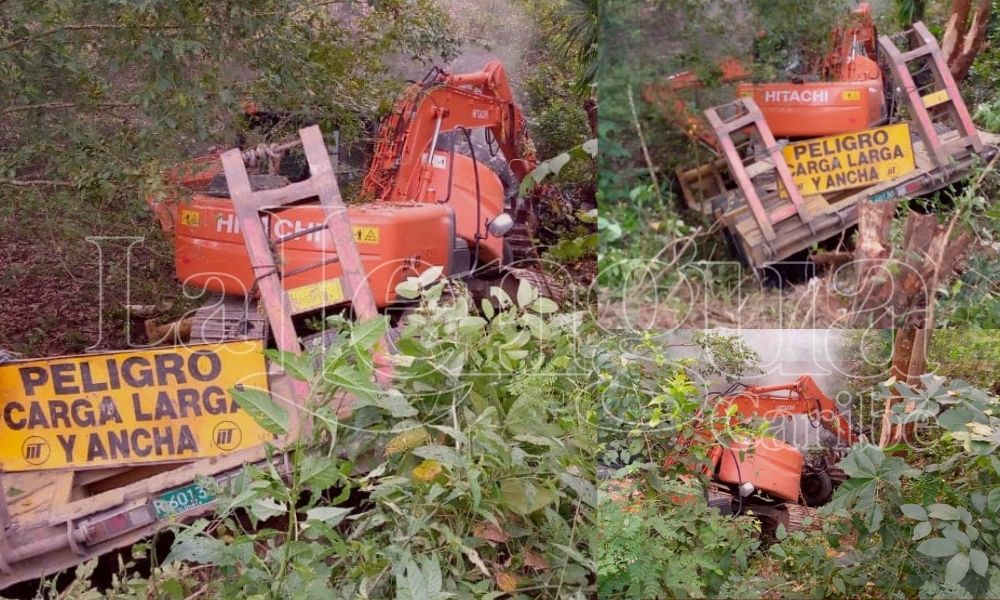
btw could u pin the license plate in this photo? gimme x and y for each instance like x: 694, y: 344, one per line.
x: 884, y: 195
x: 181, y: 500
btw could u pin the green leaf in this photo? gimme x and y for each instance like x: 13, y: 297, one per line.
x: 331, y: 515
x: 544, y: 306
x: 265, y: 508
x: 430, y: 275
x: 202, y: 550
x: 979, y: 561
x: 443, y: 454
x: 957, y: 567
x: 914, y: 511
x: 409, y: 289
x: 937, y: 547
x: 366, y: 334
x: 993, y: 500
x: 860, y: 461
x: 922, y: 530
x: 320, y: 472
x: 945, y: 512
x: 262, y: 407
x: 396, y: 403
x: 583, y: 488
x: 953, y: 533
x: 348, y: 377
x: 297, y: 366
x: 780, y: 533
x: 471, y: 324
x: 523, y: 497
x: 487, y: 308
x: 526, y: 293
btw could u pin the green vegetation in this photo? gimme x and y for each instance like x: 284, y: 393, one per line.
x: 470, y: 477
x: 671, y: 545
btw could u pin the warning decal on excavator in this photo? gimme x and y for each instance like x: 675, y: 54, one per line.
x: 851, y: 160
x: 315, y: 295
x: 126, y: 408
x: 191, y: 218
x: 365, y: 235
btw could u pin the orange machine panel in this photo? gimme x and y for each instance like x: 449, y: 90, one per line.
x: 463, y: 199
x: 396, y: 240
x: 773, y: 467
x: 804, y: 110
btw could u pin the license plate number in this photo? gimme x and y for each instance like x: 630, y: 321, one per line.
x: 181, y: 500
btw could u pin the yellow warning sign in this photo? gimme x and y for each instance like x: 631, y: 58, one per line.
x: 191, y: 218
x: 316, y: 295
x: 365, y: 235
x: 852, y: 96
x: 125, y: 408
x: 851, y: 160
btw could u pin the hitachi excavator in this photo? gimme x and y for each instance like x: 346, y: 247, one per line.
x: 102, y: 450
x: 429, y: 199
x: 763, y: 476
x: 877, y: 119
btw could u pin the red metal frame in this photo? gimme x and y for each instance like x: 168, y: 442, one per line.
x: 926, y: 47
x: 747, y: 115
x: 251, y: 207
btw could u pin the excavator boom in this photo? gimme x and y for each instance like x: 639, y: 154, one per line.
x: 442, y: 102
x: 802, y: 397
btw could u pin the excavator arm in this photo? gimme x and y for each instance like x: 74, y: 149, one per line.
x: 802, y: 397
x: 402, y: 166
x: 678, y: 111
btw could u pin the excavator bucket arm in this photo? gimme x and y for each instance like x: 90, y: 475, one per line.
x: 442, y: 102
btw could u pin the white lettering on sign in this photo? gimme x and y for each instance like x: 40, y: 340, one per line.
x: 801, y: 96
x: 478, y: 113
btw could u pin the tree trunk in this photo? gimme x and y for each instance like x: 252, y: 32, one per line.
x: 871, y: 253
x: 963, y: 39
x: 902, y: 351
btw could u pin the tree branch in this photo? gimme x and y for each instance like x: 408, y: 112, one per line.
x: 92, y: 27
x: 31, y: 182
x: 60, y: 105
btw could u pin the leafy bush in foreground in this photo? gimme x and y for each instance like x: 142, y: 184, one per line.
x: 470, y: 477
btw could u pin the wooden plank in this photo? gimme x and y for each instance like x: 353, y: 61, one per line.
x: 32, y: 495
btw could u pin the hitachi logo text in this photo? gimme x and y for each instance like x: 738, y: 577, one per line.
x: 803, y: 96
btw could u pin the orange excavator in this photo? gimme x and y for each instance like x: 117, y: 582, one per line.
x: 764, y: 475
x: 427, y: 202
